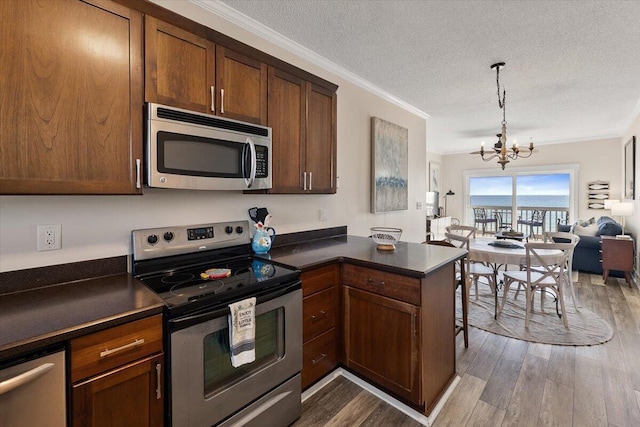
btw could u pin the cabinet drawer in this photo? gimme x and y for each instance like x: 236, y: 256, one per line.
x: 392, y: 285
x: 319, y: 357
x: 316, y: 280
x: 113, y: 347
x: 319, y: 313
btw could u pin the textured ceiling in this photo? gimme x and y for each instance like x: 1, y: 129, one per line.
x: 572, y: 67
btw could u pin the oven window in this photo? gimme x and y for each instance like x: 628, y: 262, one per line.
x: 218, y: 371
x: 190, y: 155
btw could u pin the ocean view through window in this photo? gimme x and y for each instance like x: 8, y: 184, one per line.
x: 502, y: 196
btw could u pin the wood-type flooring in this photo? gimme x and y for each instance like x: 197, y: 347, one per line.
x: 508, y: 382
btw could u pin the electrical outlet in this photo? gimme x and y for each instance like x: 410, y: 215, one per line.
x: 49, y: 237
x: 418, y: 205
x: 323, y: 214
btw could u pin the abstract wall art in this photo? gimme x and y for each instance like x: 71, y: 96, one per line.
x: 389, y: 166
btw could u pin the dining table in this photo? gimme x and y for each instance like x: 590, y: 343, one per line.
x: 498, y: 253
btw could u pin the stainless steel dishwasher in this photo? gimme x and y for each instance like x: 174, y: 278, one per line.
x: 32, y: 392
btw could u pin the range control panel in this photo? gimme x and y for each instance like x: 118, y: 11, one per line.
x: 165, y: 241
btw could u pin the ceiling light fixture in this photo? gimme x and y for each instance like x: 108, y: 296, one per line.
x: 500, y: 150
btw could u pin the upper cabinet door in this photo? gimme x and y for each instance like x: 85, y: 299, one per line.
x: 321, y: 140
x: 241, y: 87
x: 179, y: 67
x: 70, y: 97
x: 286, y: 118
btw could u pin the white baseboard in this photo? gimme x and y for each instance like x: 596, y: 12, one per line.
x: 407, y: 410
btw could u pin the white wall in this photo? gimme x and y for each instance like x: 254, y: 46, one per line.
x: 99, y: 226
x: 598, y: 160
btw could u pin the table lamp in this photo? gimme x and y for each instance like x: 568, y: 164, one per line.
x: 609, y: 203
x: 622, y: 209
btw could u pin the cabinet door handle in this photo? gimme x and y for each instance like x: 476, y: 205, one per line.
x: 138, y: 173
x: 158, y: 381
x: 221, y: 101
x: 413, y: 325
x: 304, y: 187
x: 310, y: 181
x: 319, y: 316
x: 380, y: 284
x: 319, y: 358
x: 213, y: 99
x: 108, y: 352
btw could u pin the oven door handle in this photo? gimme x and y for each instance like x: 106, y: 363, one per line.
x: 203, y: 316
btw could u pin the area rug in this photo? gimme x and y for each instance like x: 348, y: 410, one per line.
x: 585, y: 327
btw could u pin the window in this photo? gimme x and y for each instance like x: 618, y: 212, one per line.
x: 521, y: 190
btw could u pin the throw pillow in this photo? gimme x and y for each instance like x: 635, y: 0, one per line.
x: 589, y: 230
x: 582, y: 223
x: 609, y: 229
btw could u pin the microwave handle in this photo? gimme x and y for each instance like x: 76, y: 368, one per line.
x: 252, y: 175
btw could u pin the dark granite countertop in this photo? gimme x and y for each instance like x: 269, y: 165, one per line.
x: 410, y: 259
x: 36, y: 318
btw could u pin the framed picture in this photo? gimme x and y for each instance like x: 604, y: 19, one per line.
x: 630, y: 169
x: 389, y: 166
x: 434, y: 176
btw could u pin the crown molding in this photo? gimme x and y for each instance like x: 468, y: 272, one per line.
x: 243, y: 21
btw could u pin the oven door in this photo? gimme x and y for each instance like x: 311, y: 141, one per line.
x: 206, y: 388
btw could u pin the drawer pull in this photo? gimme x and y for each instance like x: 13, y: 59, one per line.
x: 319, y: 316
x: 158, y: 381
x: 379, y: 284
x: 108, y: 352
x: 322, y: 356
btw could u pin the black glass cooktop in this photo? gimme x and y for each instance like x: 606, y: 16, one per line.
x: 208, y: 283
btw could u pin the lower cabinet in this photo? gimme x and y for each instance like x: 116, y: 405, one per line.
x: 382, y: 341
x: 117, y: 376
x: 128, y: 396
x: 321, y: 348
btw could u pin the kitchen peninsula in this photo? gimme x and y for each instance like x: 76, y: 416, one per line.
x: 389, y: 316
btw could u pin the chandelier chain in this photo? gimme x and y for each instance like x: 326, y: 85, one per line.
x: 501, y: 103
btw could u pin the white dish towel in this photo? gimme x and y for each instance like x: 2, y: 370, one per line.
x: 242, y: 331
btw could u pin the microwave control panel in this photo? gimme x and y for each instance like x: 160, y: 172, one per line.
x: 262, y: 154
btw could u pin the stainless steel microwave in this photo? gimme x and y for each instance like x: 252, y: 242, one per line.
x: 195, y: 151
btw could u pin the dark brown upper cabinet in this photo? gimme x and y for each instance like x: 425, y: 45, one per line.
x: 71, y: 98
x: 303, y: 118
x: 179, y: 67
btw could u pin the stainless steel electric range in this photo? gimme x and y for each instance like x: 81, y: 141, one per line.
x: 199, y: 270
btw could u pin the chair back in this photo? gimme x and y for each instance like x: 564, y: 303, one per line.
x: 479, y: 213
x: 537, y: 217
x: 458, y: 240
x: 463, y: 230
x: 563, y: 237
x: 549, y: 265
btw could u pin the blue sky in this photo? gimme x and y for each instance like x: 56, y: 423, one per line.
x: 547, y: 185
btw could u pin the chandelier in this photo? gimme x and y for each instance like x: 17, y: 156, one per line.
x: 500, y: 150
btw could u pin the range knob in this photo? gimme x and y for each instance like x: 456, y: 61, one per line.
x: 239, y: 229
x: 168, y: 236
x: 228, y: 229
x: 153, y: 239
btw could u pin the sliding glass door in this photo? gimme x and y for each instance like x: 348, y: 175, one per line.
x: 515, y: 194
